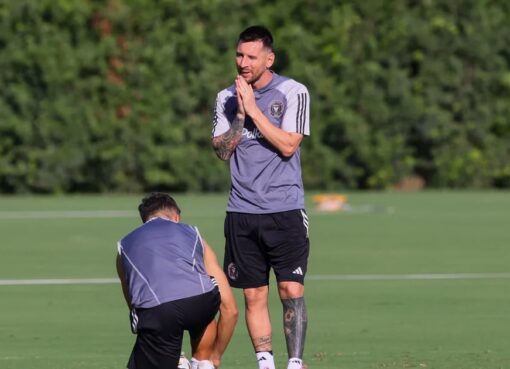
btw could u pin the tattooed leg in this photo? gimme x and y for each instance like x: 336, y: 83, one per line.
x: 262, y: 343
x: 295, y: 321
x: 263, y: 352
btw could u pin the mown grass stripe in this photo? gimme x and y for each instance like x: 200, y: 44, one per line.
x: 313, y: 277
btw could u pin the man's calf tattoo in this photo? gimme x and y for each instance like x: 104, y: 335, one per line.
x: 295, y: 321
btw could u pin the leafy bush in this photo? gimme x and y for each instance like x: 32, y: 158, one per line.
x: 117, y: 95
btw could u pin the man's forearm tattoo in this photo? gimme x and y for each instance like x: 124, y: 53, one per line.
x: 295, y: 321
x: 225, y: 144
x: 263, y: 343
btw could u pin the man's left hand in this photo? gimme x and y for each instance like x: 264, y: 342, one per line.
x: 245, y: 91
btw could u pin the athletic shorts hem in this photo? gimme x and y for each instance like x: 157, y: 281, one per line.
x: 299, y: 280
x: 247, y: 285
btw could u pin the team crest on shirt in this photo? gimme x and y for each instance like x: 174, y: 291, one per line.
x: 232, y: 271
x: 276, y: 108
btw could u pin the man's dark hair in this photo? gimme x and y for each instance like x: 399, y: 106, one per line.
x: 257, y: 33
x: 154, y: 202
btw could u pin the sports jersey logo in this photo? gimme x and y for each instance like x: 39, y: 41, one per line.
x: 276, y: 108
x: 252, y: 135
x: 232, y: 271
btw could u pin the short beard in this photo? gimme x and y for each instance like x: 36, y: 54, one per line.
x: 255, y: 79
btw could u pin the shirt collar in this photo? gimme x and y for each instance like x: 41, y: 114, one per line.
x: 269, y: 85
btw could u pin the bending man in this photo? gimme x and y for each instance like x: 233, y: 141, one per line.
x: 172, y: 282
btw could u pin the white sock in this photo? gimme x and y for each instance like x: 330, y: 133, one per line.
x: 194, y: 363
x: 265, y: 360
x: 183, y: 361
x: 205, y: 364
x: 295, y: 363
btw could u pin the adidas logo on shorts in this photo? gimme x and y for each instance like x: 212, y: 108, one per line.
x: 298, y: 271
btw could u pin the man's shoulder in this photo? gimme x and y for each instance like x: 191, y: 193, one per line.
x: 157, y: 226
x: 136, y: 230
x: 289, y: 85
x: 227, y: 92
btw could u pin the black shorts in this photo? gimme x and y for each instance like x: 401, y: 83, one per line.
x: 160, y: 329
x: 255, y: 243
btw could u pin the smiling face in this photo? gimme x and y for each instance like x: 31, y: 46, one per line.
x: 253, y: 61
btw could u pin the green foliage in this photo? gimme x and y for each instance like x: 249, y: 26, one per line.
x: 117, y: 95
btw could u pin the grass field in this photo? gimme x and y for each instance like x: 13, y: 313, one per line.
x: 401, y: 281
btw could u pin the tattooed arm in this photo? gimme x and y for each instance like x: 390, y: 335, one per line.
x: 225, y: 144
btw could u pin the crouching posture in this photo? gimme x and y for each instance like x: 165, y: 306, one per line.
x: 172, y: 283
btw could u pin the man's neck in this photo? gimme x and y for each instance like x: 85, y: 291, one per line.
x: 263, y: 81
x: 167, y: 215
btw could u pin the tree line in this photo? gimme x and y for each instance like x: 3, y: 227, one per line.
x: 118, y: 95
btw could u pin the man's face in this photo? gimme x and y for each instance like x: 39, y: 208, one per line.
x: 252, y: 60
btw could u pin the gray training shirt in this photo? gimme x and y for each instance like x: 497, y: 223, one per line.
x: 262, y: 180
x: 163, y: 261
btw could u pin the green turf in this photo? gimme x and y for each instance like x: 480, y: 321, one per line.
x: 353, y: 324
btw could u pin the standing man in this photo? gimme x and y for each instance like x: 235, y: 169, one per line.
x: 259, y: 123
x: 165, y: 269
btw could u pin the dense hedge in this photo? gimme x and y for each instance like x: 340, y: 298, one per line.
x: 117, y: 95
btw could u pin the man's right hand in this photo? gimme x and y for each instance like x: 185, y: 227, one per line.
x: 241, y: 114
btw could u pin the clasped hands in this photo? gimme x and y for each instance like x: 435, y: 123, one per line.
x: 246, y: 104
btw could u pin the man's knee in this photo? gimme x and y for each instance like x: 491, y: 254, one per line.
x: 290, y: 290
x: 254, y: 297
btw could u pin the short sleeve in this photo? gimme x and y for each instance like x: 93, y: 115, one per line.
x: 220, y: 121
x: 297, y: 113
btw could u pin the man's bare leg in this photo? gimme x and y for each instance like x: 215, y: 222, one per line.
x: 259, y: 325
x: 202, y: 347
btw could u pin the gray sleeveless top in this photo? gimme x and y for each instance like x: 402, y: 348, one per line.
x: 163, y: 261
